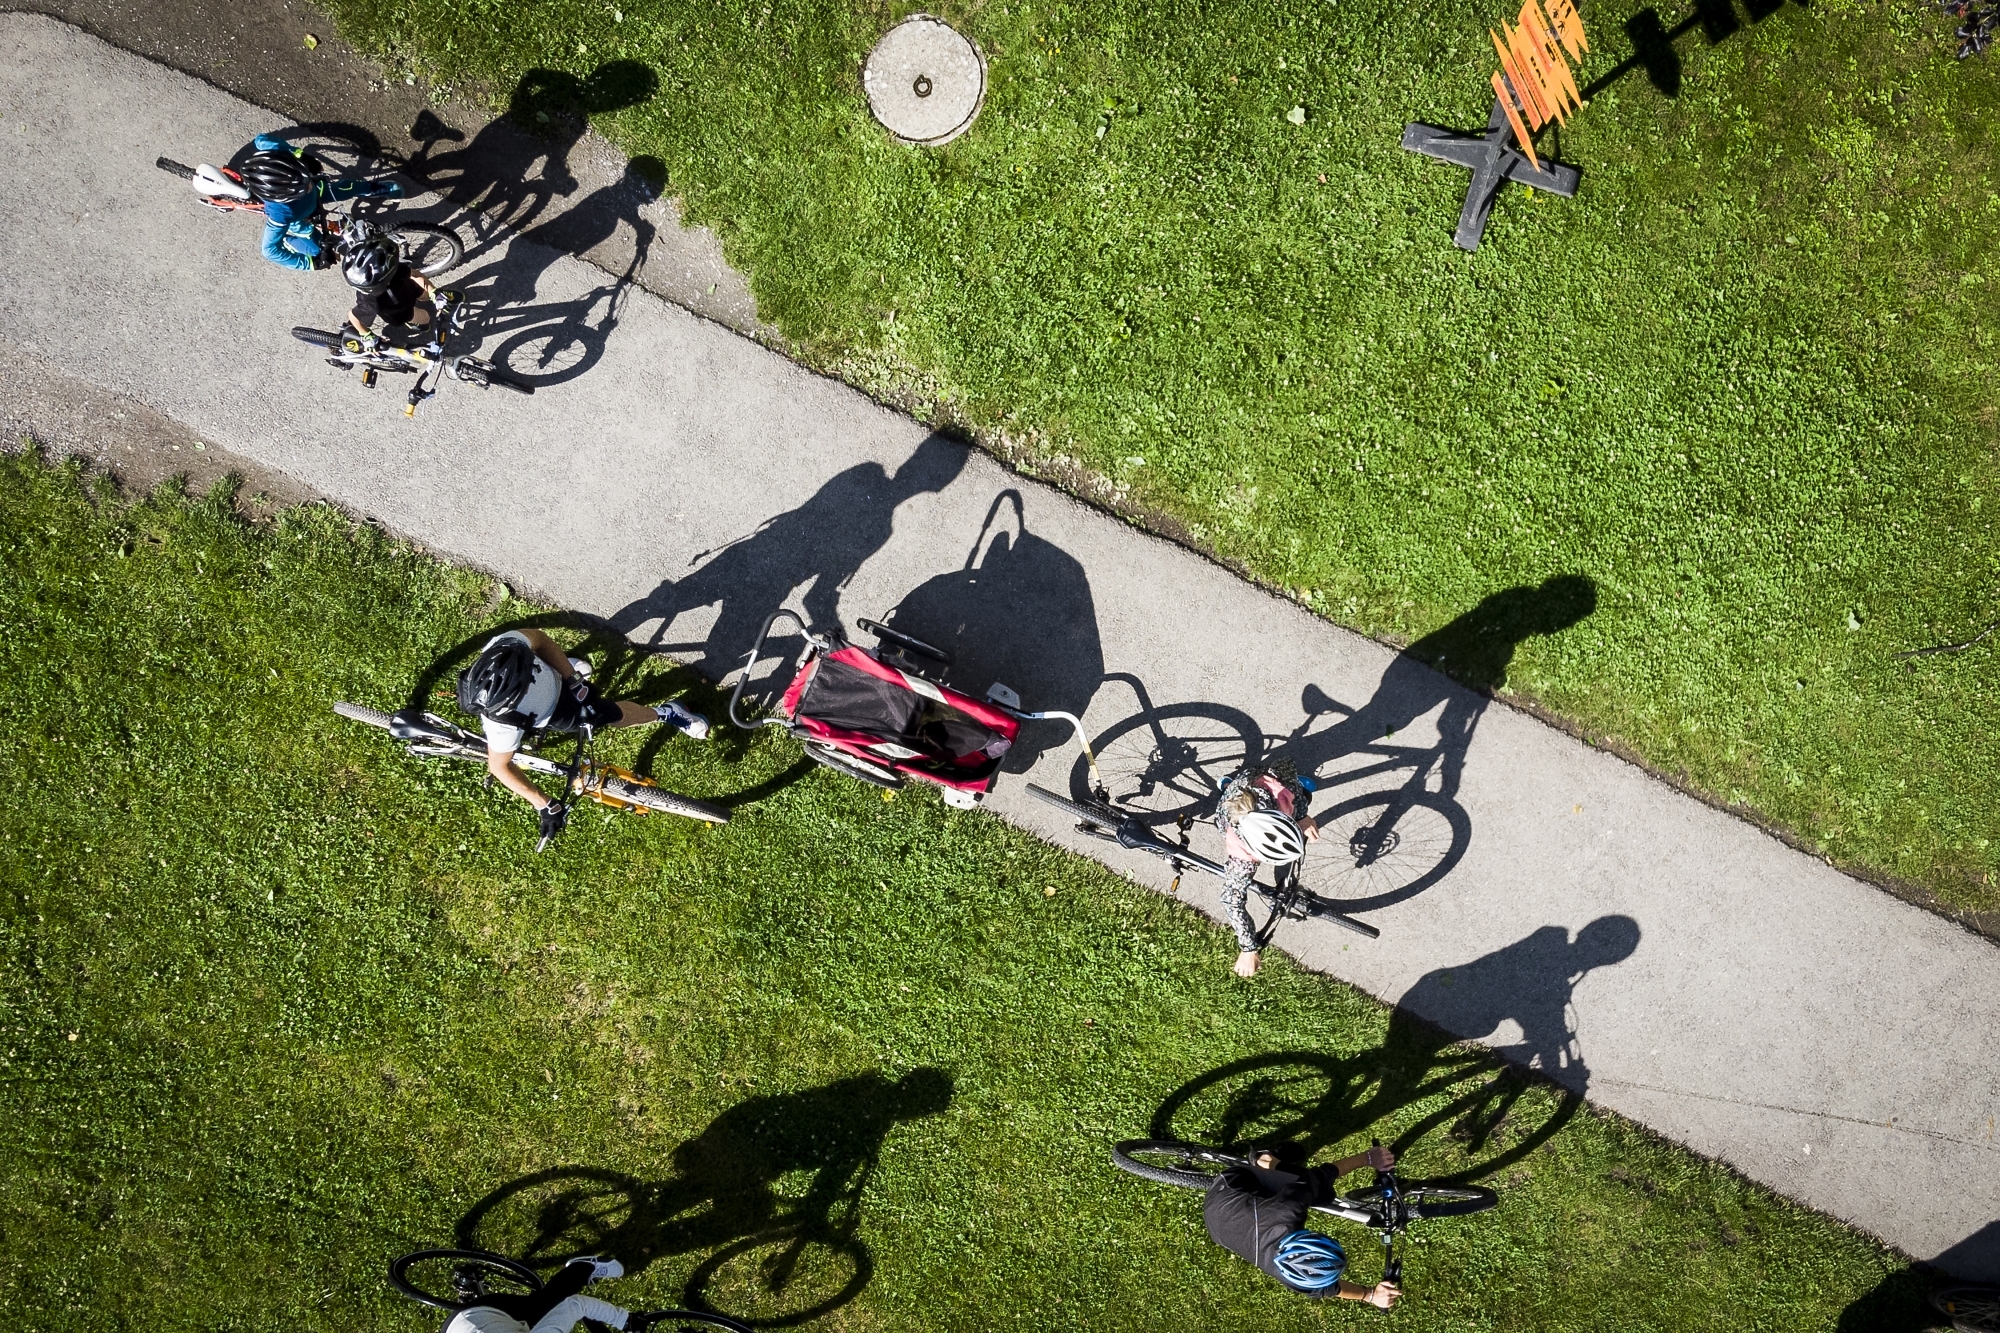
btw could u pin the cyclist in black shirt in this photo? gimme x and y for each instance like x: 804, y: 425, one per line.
x: 1258, y: 1213
x: 388, y: 289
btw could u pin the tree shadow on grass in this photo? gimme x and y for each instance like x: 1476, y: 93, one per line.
x: 769, y: 1194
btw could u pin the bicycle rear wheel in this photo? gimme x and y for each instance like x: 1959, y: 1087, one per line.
x: 1427, y: 1201
x: 666, y: 802
x: 430, y: 250
x: 318, y: 338
x: 457, y: 1279
x: 1971, y: 1309
x: 1171, y: 1162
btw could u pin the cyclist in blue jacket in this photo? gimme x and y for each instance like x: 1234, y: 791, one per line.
x: 290, y: 187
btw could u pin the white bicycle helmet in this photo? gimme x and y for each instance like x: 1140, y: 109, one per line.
x: 1272, y: 836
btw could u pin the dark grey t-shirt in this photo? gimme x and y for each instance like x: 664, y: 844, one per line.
x: 1251, y: 1209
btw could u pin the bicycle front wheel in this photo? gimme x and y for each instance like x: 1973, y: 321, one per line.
x: 683, y: 1321
x: 429, y: 250
x: 1428, y: 1201
x: 666, y: 802
x: 1171, y: 1162
x: 458, y: 1279
x: 373, y: 717
x: 1090, y: 812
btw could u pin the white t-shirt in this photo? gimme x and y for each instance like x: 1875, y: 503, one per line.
x: 562, y: 1319
x: 539, y: 703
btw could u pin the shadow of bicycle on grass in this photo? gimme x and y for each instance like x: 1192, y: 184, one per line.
x: 770, y: 1195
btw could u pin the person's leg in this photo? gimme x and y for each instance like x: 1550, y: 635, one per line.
x: 531, y: 1306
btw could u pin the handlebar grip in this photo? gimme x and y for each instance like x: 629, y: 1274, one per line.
x: 167, y: 164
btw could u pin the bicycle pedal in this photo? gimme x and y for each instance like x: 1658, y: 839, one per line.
x: 368, y: 377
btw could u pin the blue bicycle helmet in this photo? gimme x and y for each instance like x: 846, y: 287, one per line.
x: 1310, y: 1260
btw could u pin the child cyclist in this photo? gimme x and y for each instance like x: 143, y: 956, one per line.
x: 1258, y: 1213
x: 1261, y: 812
x: 387, y: 288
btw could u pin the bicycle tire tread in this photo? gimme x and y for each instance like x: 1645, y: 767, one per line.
x: 667, y: 802
x: 1088, y: 811
x: 1122, y: 1158
x: 373, y: 717
x: 1466, y: 1200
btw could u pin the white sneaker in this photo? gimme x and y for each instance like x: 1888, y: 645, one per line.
x: 603, y: 1269
x: 690, y: 722
x: 580, y: 667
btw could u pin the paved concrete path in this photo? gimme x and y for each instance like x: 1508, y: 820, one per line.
x: 1678, y: 965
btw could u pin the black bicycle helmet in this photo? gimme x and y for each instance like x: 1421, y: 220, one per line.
x: 276, y: 177
x: 494, y: 685
x: 371, y: 265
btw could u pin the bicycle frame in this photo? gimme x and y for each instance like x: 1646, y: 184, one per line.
x: 1290, y: 901
x: 421, y: 360
x: 582, y: 777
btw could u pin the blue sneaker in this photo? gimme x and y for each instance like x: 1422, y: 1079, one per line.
x: 693, y: 724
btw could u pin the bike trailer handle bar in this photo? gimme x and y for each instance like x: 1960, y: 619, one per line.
x: 757, y: 651
x: 1076, y: 724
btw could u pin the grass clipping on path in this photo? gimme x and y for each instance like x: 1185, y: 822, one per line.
x: 279, y: 1003
x: 1744, y: 381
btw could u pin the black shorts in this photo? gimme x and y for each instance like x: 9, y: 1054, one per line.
x: 578, y: 706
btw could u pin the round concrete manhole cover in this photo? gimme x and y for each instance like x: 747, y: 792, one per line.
x: 925, y: 81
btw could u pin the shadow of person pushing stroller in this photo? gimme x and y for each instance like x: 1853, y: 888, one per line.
x: 824, y: 542
x: 1019, y: 611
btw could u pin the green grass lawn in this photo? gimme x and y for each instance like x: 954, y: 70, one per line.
x: 279, y: 1003
x: 1745, y: 381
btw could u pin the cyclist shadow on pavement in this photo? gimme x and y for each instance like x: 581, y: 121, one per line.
x: 1495, y: 1104
x: 769, y: 1194
x: 1018, y: 612
x: 1900, y: 1302
x: 517, y: 165
x: 824, y: 542
x: 1475, y: 651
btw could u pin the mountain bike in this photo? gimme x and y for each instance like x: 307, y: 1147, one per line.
x: 429, y: 736
x: 1288, y: 898
x: 1387, y: 1207
x: 454, y: 1280
x: 426, y: 247
x: 375, y: 356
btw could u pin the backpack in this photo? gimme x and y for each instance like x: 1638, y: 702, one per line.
x: 512, y: 658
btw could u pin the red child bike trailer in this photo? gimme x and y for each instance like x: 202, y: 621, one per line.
x: 884, y: 715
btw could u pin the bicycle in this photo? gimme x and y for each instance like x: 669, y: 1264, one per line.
x: 1288, y: 898
x: 350, y: 352
x: 426, y: 247
x: 1387, y: 1207
x: 583, y: 778
x: 1971, y: 1307
x: 466, y: 1278
x: 1376, y: 847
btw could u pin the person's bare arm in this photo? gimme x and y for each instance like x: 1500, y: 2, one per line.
x: 1382, y: 1295
x: 501, y: 765
x: 549, y: 651
x: 1379, y: 1157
